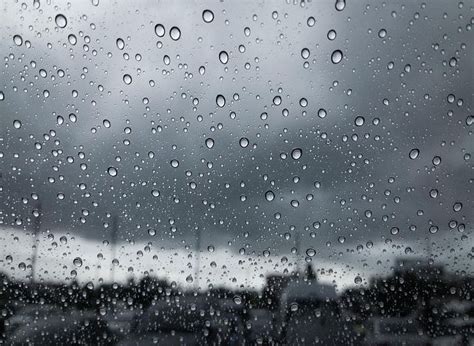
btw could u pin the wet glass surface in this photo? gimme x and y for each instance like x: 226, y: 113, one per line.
x: 292, y: 172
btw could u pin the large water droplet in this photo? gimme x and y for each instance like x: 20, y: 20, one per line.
x: 207, y: 16
x: 72, y: 39
x: 77, y: 262
x: 17, y: 124
x: 322, y: 113
x: 340, y: 5
x: 296, y: 153
x: 60, y: 20
x: 209, y: 143
x: 175, y: 33
x: 112, y: 171
x: 359, y: 121
x: 220, y: 101
x: 244, y: 142
x: 336, y: 56
x: 269, y: 195
x: 160, y: 30
x: 414, y: 153
x: 127, y: 79
x: 174, y: 163
x: 120, y: 44
x: 223, y: 57
x: 18, y: 40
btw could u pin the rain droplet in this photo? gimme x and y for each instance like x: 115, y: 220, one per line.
x: 414, y: 153
x: 382, y: 33
x: 112, y: 171
x: 457, y: 207
x: 120, y: 44
x: 359, y: 121
x: 175, y: 33
x: 207, y: 16
x: 237, y: 300
x: 322, y: 113
x: 331, y: 35
x: 220, y: 101
x: 311, y: 21
x: 174, y: 163
x: 311, y: 252
x: 209, y: 143
x: 72, y: 39
x: 296, y: 153
x: 336, y: 56
x: 269, y: 195
x: 17, y: 124
x: 340, y: 5
x: 152, y: 232
x: 243, y: 142
x: 160, y: 30
x: 18, y: 40
x: 127, y: 79
x: 224, y: 57
x: 60, y: 20
x: 77, y: 262
x: 305, y: 53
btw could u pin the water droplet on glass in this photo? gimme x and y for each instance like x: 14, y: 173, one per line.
x: 60, y: 20
x: 414, y: 153
x: 340, y: 5
x: 209, y: 143
x: 322, y: 113
x: 207, y: 16
x: 120, y: 44
x: 77, y: 262
x: 269, y: 195
x: 382, y: 33
x: 336, y: 56
x: 220, y: 101
x: 223, y: 57
x: 305, y: 53
x: 296, y: 153
x: 359, y: 121
x: 72, y: 39
x: 112, y: 171
x: 17, y: 124
x: 457, y: 206
x: 127, y: 79
x: 311, y: 21
x: 175, y: 33
x: 18, y: 40
x: 243, y: 142
x: 152, y: 232
x: 160, y: 30
x: 174, y: 163
x: 311, y: 252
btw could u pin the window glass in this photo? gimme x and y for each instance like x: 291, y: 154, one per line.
x: 291, y: 172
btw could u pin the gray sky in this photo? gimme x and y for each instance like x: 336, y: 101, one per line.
x: 354, y: 185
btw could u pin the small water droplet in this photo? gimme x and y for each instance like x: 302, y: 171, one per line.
x: 340, y: 5
x: 359, y: 121
x: 174, y: 163
x: 72, y: 39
